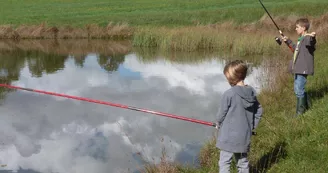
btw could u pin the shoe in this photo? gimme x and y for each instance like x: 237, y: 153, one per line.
x: 301, y: 106
x: 308, y: 101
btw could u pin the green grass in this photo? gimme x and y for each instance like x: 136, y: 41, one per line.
x: 149, y: 12
x: 306, y: 138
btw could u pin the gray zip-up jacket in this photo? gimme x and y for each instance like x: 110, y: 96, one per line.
x: 239, y: 114
x: 304, y: 63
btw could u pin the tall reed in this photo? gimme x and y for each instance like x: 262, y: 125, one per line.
x: 206, y: 38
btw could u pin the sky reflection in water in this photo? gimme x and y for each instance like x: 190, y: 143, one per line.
x: 52, y: 134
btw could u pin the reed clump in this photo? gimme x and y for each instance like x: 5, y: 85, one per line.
x: 205, y: 38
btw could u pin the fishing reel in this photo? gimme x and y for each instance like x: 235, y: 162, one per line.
x: 278, y: 40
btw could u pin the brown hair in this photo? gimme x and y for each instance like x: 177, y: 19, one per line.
x: 235, y: 71
x: 303, y: 22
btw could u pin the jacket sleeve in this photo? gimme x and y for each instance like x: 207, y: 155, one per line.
x: 291, y: 44
x: 258, y: 113
x: 310, y: 41
x: 224, y: 107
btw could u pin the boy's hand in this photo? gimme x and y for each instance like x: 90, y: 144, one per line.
x: 284, y: 38
x: 217, y: 126
x: 312, y: 34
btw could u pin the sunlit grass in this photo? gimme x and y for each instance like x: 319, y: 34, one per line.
x: 148, y: 12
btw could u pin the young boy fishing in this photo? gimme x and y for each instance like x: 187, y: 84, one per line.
x: 238, y: 116
x: 302, y: 63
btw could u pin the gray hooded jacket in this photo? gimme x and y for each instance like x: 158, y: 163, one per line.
x: 239, y: 114
x: 304, y: 63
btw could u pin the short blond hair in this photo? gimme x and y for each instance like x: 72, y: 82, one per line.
x: 235, y: 71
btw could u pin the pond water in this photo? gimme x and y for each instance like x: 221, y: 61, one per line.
x: 43, y: 133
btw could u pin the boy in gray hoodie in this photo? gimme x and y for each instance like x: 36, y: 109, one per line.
x: 238, y: 116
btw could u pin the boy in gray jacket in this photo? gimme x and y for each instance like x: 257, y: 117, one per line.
x: 238, y: 116
x: 302, y: 63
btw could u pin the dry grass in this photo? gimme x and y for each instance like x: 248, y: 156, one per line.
x: 68, y: 47
x: 90, y: 31
x: 207, y: 153
x: 164, y: 166
x: 208, y: 38
x: 228, y: 38
x: 240, y: 40
x: 6, y: 31
x: 197, y: 36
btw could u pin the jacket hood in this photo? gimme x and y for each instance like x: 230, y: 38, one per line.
x: 247, y: 93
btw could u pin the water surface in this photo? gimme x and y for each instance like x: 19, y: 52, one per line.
x: 42, y: 133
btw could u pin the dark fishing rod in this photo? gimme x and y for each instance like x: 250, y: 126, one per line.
x: 113, y: 104
x: 280, y: 32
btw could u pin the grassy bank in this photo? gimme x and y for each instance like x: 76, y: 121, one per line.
x: 255, y: 38
x: 238, y: 27
x: 228, y: 38
x: 305, y: 137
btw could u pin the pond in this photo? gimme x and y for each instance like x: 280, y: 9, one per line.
x: 44, y: 133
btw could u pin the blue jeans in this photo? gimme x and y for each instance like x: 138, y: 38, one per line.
x: 299, y: 85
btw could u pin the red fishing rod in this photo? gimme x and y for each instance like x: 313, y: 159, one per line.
x: 280, y: 32
x: 113, y: 104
